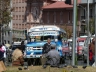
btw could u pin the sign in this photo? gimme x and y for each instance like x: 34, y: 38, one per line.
x: 45, y: 33
x: 43, y: 29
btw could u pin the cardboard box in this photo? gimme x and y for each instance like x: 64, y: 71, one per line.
x: 2, y: 66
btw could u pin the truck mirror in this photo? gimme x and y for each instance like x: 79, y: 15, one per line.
x: 56, y: 40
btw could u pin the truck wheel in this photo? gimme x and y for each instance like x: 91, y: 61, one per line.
x: 29, y: 61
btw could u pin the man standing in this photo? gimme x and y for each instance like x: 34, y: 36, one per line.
x: 46, y: 49
x: 22, y: 47
x: 47, y: 46
x: 53, y: 57
x: 92, y: 51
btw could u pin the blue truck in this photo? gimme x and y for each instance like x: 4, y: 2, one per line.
x: 37, y: 37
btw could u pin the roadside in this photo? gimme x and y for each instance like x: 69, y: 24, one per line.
x: 49, y: 69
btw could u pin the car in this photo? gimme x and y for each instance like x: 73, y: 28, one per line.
x: 80, y: 44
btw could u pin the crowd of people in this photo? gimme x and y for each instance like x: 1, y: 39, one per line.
x: 49, y: 52
x: 17, y: 54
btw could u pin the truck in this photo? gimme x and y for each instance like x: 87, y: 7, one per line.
x: 36, y: 38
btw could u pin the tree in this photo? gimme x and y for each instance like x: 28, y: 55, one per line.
x: 68, y: 31
x: 5, y: 15
x: 5, y: 11
x: 92, y: 26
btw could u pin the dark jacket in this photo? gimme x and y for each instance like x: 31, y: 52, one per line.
x: 23, y: 48
x: 46, y: 48
x: 1, y: 54
x: 53, y: 57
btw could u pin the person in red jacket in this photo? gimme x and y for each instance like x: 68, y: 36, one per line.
x: 91, y: 52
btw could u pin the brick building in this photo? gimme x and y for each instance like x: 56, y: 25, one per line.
x: 29, y: 13
x: 60, y: 14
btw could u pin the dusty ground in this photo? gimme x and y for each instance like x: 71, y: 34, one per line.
x: 49, y: 69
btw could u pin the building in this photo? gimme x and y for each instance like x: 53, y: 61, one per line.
x: 84, y: 15
x: 15, y: 30
x: 29, y: 13
x: 60, y: 14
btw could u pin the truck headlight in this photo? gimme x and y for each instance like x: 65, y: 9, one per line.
x: 60, y: 48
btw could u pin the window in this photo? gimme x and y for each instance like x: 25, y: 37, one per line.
x: 5, y: 41
x: 23, y: 1
x: 20, y: 26
x: 16, y: 1
x: 8, y: 33
x: 47, y: 17
x: 8, y: 42
x: 16, y: 17
x: 22, y: 17
x: 19, y: 9
x: 91, y: 13
x: 19, y: 1
x: 54, y: 17
x: 19, y: 17
x: 22, y: 9
x: 13, y: 17
x: 13, y: 1
x: 68, y: 17
x: 61, y: 19
x: 16, y: 9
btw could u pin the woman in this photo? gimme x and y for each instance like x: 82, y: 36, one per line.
x: 17, y: 57
x: 1, y: 53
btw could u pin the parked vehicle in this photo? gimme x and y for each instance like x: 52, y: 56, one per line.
x: 37, y: 37
x: 80, y: 45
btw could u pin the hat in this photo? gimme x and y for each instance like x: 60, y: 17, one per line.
x: 53, y: 46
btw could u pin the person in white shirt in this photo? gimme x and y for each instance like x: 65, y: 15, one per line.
x: 4, y: 48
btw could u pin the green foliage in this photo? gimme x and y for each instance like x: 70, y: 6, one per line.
x: 5, y: 11
x: 92, y: 26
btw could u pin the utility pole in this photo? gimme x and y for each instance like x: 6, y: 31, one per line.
x: 1, y: 22
x: 74, y: 50
x: 74, y: 32
x: 95, y: 33
x: 88, y: 32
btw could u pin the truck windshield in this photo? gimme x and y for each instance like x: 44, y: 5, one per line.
x: 41, y: 38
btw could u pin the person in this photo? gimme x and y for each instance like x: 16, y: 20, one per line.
x: 4, y: 48
x: 91, y: 51
x: 1, y: 53
x: 22, y: 46
x: 17, y: 57
x: 53, y: 57
x: 65, y: 43
x: 47, y: 46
